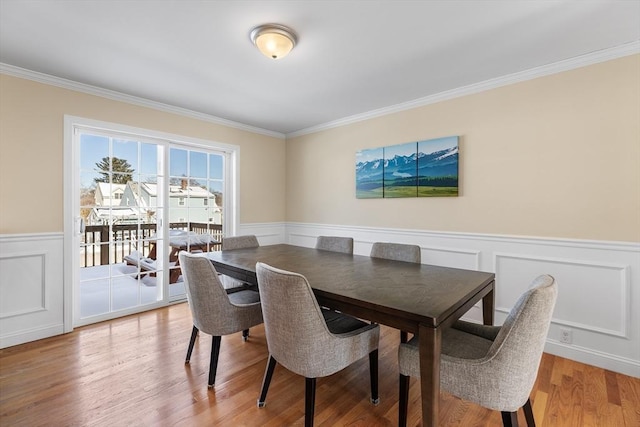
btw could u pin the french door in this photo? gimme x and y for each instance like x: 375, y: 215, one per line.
x: 138, y: 198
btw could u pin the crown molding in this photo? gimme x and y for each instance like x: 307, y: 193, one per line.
x: 533, y: 73
x: 130, y: 99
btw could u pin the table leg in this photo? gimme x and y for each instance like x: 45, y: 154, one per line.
x: 430, y: 340
x: 488, y: 303
x: 152, y: 250
x: 173, y: 255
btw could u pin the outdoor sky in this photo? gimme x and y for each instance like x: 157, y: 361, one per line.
x: 144, y: 158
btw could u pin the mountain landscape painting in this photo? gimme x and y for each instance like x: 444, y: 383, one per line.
x: 369, y: 169
x: 438, y: 167
x: 400, y: 171
x: 426, y: 168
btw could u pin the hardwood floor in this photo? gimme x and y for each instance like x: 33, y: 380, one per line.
x: 131, y: 372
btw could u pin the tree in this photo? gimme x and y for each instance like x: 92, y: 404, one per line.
x: 121, y: 167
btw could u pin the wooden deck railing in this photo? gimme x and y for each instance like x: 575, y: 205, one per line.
x: 99, y: 249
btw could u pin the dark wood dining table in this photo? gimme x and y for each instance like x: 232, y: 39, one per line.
x: 418, y: 298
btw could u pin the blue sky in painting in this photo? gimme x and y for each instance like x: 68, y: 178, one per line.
x: 408, y: 149
x: 437, y: 144
x: 368, y: 155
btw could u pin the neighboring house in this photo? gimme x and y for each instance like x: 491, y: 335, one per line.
x: 109, y: 194
x: 117, y: 215
x: 108, y: 198
x: 186, y: 202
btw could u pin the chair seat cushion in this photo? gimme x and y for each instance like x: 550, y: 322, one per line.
x: 463, y: 345
x: 455, y: 343
x: 339, y: 323
x: 244, y: 297
x: 459, y: 344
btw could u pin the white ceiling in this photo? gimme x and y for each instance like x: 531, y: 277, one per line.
x: 352, y: 58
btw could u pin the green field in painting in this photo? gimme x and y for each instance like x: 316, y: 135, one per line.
x: 375, y: 193
x: 400, y: 191
x: 437, y: 191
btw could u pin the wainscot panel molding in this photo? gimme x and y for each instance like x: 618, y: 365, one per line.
x: 597, y: 315
x: 31, y: 287
x: 598, y: 301
x: 268, y: 233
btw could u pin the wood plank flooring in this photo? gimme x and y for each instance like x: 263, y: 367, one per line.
x: 131, y: 372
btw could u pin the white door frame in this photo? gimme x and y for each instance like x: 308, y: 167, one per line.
x: 71, y: 207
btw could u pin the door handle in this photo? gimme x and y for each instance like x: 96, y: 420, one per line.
x: 80, y: 226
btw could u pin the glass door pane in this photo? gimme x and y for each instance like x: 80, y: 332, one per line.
x: 196, y: 183
x: 119, y: 181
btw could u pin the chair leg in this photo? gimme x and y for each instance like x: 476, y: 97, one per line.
x: 528, y: 414
x: 245, y: 335
x: 404, y: 336
x: 309, y: 400
x: 373, y: 376
x: 403, y: 400
x: 268, y: 373
x: 213, y: 364
x: 510, y: 419
x: 194, y: 335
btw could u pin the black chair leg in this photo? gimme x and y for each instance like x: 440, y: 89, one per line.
x: 213, y: 364
x: 373, y: 376
x: 404, y: 336
x: 309, y: 400
x: 528, y: 414
x: 510, y: 419
x: 268, y: 373
x: 403, y: 402
x: 245, y: 335
x: 194, y: 335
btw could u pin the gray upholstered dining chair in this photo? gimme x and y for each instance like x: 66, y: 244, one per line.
x: 300, y: 339
x: 230, y: 284
x: 492, y: 366
x: 397, y: 252
x: 214, y: 311
x: 239, y: 242
x: 335, y: 244
x: 234, y: 243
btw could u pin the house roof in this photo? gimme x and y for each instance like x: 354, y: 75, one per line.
x: 177, y: 190
x: 108, y: 189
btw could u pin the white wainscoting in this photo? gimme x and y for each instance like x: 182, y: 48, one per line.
x: 31, y: 287
x: 599, y: 282
x: 598, y: 301
x: 268, y: 233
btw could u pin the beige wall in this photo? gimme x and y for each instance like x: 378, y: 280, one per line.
x: 31, y: 153
x: 557, y: 156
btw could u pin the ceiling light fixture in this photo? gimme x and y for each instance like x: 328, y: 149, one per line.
x: 275, y: 41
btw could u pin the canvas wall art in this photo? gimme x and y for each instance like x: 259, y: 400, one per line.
x: 426, y: 168
x: 369, y: 170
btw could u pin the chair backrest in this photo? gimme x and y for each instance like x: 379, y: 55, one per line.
x: 239, y: 242
x: 297, y: 335
x: 516, y: 352
x: 211, y: 309
x: 335, y: 244
x: 396, y: 252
